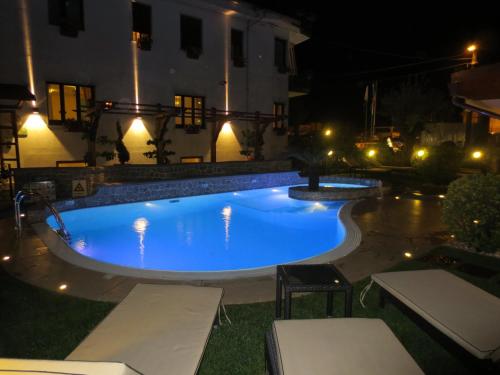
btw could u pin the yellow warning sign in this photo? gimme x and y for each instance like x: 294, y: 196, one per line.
x: 79, y: 188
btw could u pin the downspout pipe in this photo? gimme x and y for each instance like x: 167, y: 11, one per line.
x: 462, y: 104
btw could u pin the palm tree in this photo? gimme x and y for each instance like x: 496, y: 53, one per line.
x: 312, y: 150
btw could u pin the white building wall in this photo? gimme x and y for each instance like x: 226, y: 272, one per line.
x: 104, y: 56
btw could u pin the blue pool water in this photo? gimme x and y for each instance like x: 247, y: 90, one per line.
x: 217, y: 232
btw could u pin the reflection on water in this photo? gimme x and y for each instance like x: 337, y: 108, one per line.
x: 140, y: 226
x: 226, y: 217
x: 316, y: 207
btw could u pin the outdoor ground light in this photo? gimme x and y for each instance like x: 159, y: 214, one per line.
x: 441, y: 196
x: 407, y: 254
x: 477, y: 155
x: 330, y: 153
x: 6, y: 258
x: 421, y: 153
x: 397, y: 197
x: 62, y: 287
x: 328, y: 132
x: 371, y: 153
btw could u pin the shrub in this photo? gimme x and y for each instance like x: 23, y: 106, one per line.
x: 472, y: 211
x: 441, y: 164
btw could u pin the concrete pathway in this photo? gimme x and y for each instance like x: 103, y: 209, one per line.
x: 390, y: 227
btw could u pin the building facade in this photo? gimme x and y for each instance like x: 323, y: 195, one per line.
x: 191, y: 54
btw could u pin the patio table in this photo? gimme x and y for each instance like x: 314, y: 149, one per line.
x: 300, y: 278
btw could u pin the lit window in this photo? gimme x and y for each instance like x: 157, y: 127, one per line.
x: 279, y: 122
x: 191, y: 159
x: 191, y: 114
x: 141, y: 25
x: 67, y: 104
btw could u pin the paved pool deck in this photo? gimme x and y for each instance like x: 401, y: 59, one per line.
x: 389, y: 228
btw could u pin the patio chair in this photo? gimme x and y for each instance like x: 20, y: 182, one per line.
x: 339, y: 346
x: 47, y: 367
x: 156, y: 329
x: 464, y: 313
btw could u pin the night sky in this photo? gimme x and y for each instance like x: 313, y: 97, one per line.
x: 353, y: 45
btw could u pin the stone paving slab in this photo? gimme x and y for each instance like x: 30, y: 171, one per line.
x: 390, y: 227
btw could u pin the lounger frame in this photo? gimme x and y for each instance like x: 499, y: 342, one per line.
x: 470, y: 361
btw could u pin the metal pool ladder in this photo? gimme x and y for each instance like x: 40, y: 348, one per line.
x: 18, y: 199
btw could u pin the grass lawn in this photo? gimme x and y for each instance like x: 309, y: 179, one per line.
x: 39, y: 324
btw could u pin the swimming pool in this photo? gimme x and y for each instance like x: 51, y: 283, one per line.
x: 242, y: 230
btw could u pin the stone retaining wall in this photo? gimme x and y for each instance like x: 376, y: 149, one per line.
x: 136, y: 192
x: 96, y: 176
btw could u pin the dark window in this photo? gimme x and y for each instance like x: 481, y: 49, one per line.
x: 67, y: 103
x: 191, y: 36
x: 191, y: 114
x: 141, y: 25
x: 68, y: 15
x: 280, y: 47
x: 279, y: 113
x: 237, y: 48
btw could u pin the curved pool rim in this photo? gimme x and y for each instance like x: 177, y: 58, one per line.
x: 62, y: 250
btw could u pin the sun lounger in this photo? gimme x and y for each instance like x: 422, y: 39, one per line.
x: 156, y: 329
x: 343, y: 346
x: 46, y: 367
x: 466, y: 314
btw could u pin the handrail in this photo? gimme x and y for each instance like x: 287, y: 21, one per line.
x: 63, y: 232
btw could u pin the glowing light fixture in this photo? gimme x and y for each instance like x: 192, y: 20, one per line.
x: 452, y: 235
x: 473, y: 50
x: 34, y: 121
x: 421, y: 153
x: 475, y: 221
x: 371, y: 153
x: 6, y: 258
x: 330, y: 153
x: 389, y: 142
x: 336, y: 281
x: 477, y: 154
x: 408, y: 254
x: 226, y: 129
x: 441, y: 196
x: 138, y: 125
x: 328, y: 132
x: 62, y: 287
x: 397, y: 197
x: 417, y: 193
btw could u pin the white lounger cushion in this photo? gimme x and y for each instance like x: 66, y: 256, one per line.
x: 156, y: 329
x: 463, y: 312
x: 12, y: 366
x: 343, y: 346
